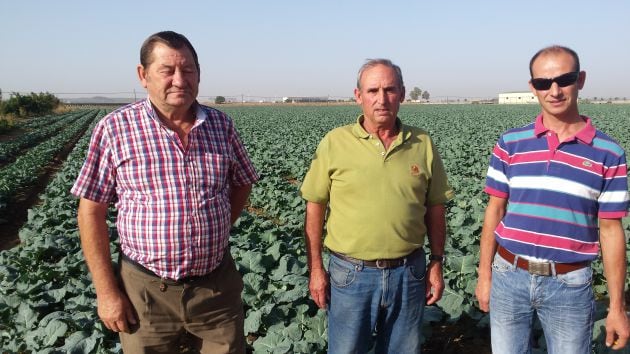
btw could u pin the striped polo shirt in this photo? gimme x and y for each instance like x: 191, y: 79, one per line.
x: 557, y: 191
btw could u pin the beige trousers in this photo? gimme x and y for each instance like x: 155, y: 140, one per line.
x: 209, y: 308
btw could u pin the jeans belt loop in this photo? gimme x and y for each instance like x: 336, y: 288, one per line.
x: 378, y: 264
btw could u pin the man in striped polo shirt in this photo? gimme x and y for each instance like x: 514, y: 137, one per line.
x: 557, y: 192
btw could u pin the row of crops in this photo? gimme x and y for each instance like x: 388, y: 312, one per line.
x: 47, y: 302
x: 45, y: 143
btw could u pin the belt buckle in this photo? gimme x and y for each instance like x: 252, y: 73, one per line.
x: 539, y: 268
x: 381, y: 266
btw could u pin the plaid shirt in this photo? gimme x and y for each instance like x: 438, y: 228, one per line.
x: 173, y: 204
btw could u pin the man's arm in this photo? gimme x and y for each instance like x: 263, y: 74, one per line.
x: 114, y: 307
x: 613, y: 243
x: 487, y: 248
x: 238, y: 198
x: 435, y: 220
x: 313, y: 230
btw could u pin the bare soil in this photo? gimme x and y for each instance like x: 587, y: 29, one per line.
x: 461, y: 338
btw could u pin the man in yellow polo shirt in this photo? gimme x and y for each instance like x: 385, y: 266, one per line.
x: 385, y: 187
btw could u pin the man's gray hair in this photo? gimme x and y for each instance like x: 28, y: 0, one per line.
x: 370, y: 63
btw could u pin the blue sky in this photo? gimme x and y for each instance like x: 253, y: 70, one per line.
x: 312, y: 48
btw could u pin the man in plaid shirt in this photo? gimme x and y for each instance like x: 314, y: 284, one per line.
x: 179, y: 176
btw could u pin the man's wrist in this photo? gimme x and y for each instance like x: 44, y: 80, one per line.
x: 437, y: 258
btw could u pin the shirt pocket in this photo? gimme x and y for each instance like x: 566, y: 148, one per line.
x: 212, y: 174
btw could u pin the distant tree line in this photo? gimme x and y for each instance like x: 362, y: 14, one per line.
x: 417, y: 93
x: 28, y: 105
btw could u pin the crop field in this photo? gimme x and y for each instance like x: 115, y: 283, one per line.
x: 47, y: 301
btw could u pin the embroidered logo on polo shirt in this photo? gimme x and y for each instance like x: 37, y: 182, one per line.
x: 587, y: 164
x: 415, y: 170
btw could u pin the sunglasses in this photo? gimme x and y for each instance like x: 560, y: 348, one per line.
x: 563, y: 80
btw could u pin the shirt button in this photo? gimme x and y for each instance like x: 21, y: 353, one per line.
x: 382, y: 153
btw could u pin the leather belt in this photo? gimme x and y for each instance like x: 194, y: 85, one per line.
x: 141, y: 268
x: 540, y: 268
x: 377, y: 263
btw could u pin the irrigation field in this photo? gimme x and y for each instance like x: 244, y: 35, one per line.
x: 46, y: 298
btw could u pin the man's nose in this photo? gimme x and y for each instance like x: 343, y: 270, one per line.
x: 554, y: 89
x: 178, y: 78
x: 380, y: 96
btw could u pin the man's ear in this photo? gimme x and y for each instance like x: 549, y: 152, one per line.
x: 142, y: 75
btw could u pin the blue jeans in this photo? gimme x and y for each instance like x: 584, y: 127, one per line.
x: 564, y: 304
x: 376, y: 307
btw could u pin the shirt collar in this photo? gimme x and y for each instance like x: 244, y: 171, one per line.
x: 585, y: 135
x: 360, y: 132
x: 200, y: 114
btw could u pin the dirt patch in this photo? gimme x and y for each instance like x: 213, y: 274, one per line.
x: 11, y: 134
x: 463, y: 337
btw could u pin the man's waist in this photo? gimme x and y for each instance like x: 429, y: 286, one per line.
x: 180, y: 280
x: 381, y: 263
x: 540, y: 268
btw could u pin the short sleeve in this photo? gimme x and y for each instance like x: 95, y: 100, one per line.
x: 439, y: 191
x: 496, y: 178
x: 316, y: 185
x: 97, y: 179
x: 613, y: 198
x: 243, y: 171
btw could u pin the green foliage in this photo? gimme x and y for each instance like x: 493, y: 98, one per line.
x: 415, y: 93
x: 47, y: 302
x: 29, y: 105
x: 219, y: 100
x: 38, y: 129
x: 6, y: 124
x: 26, y: 169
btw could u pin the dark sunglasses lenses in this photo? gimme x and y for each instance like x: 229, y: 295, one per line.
x: 562, y: 81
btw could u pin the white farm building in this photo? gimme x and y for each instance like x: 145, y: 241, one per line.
x: 517, y: 98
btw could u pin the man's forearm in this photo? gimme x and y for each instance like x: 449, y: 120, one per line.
x: 95, y: 244
x: 435, y: 221
x: 238, y: 198
x: 313, y: 229
x: 487, y: 245
x: 613, y: 243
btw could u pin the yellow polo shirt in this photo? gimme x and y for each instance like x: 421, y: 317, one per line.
x: 377, y: 198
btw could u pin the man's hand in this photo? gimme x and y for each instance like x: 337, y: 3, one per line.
x: 482, y: 292
x: 434, y: 283
x: 318, y: 286
x: 116, y: 312
x: 617, y: 329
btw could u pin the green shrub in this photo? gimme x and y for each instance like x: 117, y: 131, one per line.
x: 29, y: 105
x: 6, y: 124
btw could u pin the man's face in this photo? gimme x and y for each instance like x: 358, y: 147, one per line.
x: 380, y: 95
x: 172, y: 78
x: 557, y: 101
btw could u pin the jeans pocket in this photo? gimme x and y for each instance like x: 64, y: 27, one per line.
x: 500, y: 265
x: 416, y: 267
x: 341, y: 275
x: 417, y: 273
x: 577, y: 278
